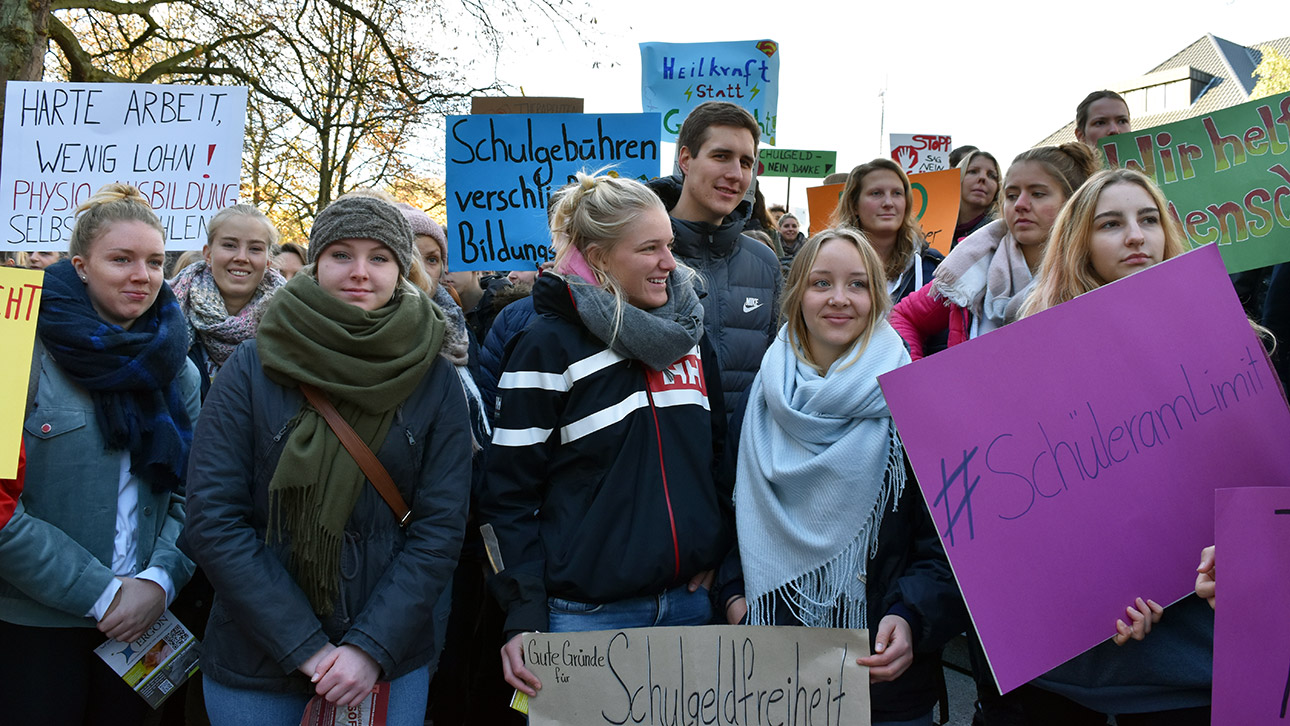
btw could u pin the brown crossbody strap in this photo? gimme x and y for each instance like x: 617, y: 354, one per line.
x: 366, y: 460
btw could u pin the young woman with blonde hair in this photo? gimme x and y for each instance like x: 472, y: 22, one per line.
x: 91, y: 551
x: 226, y: 292
x: 609, y: 426
x: 1117, y: 224
x: 832, y: 530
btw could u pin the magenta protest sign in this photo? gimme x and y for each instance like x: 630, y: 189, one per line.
x: 1251, y: 628
x: 1069, y: 459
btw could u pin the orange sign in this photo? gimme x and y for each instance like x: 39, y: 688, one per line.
x: 820, y: 203
x: 935, y: 196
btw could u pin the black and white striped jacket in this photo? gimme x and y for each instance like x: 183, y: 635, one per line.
x: 606, y: 479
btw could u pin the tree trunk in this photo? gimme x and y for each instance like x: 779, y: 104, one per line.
x: 24, y: 37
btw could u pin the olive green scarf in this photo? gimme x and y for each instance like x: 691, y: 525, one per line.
x: 367, y: 363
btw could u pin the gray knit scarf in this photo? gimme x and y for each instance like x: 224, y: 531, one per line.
x: 659, y: 337
x: 208, y: 318
x: 819, y: 460
x: 456, y: 343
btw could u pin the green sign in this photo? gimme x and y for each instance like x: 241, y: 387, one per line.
x: 1226, y: 176
x: 795, y: 162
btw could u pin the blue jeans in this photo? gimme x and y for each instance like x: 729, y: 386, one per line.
x: 245, y: 707
x: 677, y: 606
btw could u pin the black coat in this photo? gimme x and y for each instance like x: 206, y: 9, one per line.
x: 605, y: 479
x: 262, y: 626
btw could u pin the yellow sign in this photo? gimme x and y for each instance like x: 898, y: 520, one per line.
x: 19, y: 306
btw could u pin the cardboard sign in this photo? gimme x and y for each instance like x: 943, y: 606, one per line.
x: 524, y: 104
x: 795, y: 162
x: 502, y: 171
x: 716, y: 674
x: 918, y: 153
x: 676, y: 77
x: 20, y: 296
x: 1069, y: 459
x: 1226, y: 176
x: 821, y: 202
x: 1251, y: 630
x: 180, y: 145
x: 935, y: 198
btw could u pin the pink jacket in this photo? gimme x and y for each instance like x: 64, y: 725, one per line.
x: 921, y: 315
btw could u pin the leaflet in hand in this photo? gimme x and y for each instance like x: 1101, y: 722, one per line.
x: 155, y: 664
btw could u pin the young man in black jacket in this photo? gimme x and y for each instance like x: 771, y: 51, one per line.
x: 740, y: 277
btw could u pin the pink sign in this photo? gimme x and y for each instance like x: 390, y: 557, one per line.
x: 1069, y: 459
x: 1251, y: 627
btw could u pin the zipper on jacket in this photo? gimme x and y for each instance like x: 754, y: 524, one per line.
x: 398, y: 422
x: 283, y: 431
x: 667, y: 495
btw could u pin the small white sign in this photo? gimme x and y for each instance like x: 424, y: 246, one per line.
x: 918, y: 153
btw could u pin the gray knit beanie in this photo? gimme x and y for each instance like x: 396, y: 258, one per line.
x: 422, y: 224
x: 363, y: 218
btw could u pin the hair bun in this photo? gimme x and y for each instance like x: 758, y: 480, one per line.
x: 586, y: 182
x: 114, y: 192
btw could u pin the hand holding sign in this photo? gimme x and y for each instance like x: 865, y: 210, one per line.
x: 893, y: 650
x: 1143, y: 614
x: 1205, y: 578
x: 709, y: 674
x: 513, y: 670
x: 1154, y: 408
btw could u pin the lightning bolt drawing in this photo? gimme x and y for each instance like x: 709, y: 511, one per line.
x: 755, y: 90
x: 688, y: 91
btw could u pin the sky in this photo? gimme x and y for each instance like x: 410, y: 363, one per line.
x: 1000, y: 76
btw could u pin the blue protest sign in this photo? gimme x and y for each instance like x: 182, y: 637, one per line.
x: 676, y: 77
x: 503, y: 169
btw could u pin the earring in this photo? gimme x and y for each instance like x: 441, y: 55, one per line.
x: 84, y: 279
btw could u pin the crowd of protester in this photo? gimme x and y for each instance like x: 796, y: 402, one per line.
x: 676, y: 423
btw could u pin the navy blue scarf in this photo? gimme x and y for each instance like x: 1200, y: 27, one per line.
x: 131, y: 375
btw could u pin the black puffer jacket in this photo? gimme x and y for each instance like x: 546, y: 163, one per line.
x: 262, y: 626
x: 740, y: 283
x: 605, y: 478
